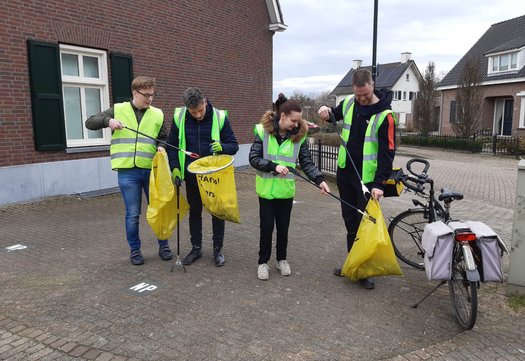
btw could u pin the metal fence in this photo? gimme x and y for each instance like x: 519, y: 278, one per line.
x: 496, y: 144
x: 325, y: 156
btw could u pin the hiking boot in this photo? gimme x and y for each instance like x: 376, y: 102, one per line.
x: 262, y: 272
x: 191, y: 257
x: 218, y: 257
x: 284, y: 267
x: 165, y: 252
x: 367, y: 283
x: 136, y: 257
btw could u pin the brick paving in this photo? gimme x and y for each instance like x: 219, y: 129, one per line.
x: 67, y: 295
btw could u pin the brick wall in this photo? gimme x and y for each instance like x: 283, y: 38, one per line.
x: 490, y: 94
x: 224, y: 47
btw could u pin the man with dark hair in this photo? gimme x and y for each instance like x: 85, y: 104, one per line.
x: 200, y: 128
x: 368, y: 137
x: 132, y: 154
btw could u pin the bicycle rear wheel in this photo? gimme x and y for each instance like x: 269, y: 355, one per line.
x: 405, y: 231
x: 463, y: 293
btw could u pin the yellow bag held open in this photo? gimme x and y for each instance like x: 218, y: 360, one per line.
x: 216, y: 179
x: 393, y: 186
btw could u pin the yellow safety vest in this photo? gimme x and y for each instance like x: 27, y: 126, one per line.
x: 270, y: 185
x: 371, y: 144
x: 179, y: 118
x: 129, y: 149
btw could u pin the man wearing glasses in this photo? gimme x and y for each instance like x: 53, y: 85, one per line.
x: 132, y: 154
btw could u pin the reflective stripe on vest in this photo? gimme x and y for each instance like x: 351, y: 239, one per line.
x: 129, y: 149
x: 273, y: 186
x: 179, y: 118
x: 371, y: 141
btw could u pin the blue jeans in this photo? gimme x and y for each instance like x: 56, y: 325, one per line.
x: 131, y: 183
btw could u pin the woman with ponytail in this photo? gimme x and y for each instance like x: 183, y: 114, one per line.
x: 279, y: 143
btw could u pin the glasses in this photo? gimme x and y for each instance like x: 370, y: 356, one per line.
x: 146, y: 95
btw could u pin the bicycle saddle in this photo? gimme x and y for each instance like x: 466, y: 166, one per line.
x: 448, y: 195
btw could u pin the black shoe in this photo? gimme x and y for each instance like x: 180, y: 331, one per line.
x: 136, y: 258
x: 194, y: 255
x: 165, y: 252
x: 218, y: 257
x: 367, y: 283
x: 337, y: 272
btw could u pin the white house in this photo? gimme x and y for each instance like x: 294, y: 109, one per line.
x: 401, y: 77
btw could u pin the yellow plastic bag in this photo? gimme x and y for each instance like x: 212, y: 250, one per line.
x: 216, y: 179
x: 162, y: 208
x: 372, y: 253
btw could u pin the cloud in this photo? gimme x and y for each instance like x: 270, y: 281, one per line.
x: 323, y: 37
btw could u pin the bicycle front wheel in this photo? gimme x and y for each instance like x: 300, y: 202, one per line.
x: 463, y: 293
x: 405, y: 232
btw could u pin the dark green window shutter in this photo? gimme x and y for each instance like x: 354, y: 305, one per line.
x: 46, y: 95
x: 121, y: 77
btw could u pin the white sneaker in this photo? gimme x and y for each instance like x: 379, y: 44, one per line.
x: 284, y: 266
x: 262, y: 272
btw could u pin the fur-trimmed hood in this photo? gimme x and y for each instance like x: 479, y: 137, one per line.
x: 270, y: 122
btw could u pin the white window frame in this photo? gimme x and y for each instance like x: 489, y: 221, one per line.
x: 100, y: 83
x: 495, y: 60
x: 521, y: 96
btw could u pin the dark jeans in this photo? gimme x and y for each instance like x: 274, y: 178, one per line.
x: 195, y: 202
x: 350, y: 190
x: 270, y: 211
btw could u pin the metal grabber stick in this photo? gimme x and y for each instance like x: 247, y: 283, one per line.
x: 178, y: 262
x: 294, y: 171
x: 343, y: 144
x: 189, y: 154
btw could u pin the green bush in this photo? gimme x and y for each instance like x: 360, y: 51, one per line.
x: 471, y: 145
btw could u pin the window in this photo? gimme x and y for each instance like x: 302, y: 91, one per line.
x: 503, y: 62
x: 404, y: 95
x: 521, y: 97
x: 453, y: 112
x: 503, y: 116
x: 85, y: 92
x: 408, y: 77
x: 410, y: 95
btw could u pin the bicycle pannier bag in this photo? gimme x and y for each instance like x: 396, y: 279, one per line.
x: 438, y: 243
x: 491, y: 247
x: 393, y: 186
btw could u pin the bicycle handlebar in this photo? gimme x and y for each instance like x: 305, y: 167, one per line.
x: 418, y: 188
x: 424, y: 173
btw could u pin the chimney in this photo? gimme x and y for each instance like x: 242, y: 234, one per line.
x: 405, y: 57
x: 356, y: 64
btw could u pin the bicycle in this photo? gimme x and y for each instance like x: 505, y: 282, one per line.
x: 406, y: 231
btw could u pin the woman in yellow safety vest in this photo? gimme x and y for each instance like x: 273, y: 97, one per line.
x: 279, y: 143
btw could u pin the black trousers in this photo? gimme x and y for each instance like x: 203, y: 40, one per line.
x: 195, y: 202
x: 278, y: 212
x: 350, y: 190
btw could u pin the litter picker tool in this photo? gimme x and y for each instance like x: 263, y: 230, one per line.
x: 189, y: 154
x: 343, y: 144
x: 294, y: 171
x: 178, y: 262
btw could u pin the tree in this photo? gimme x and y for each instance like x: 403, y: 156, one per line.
x: 424, y: 104
x: 469, y: 99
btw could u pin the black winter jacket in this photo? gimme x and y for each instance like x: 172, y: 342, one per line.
x: 271, y: 125
x: 198, y: 138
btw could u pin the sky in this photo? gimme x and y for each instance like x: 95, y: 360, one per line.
x: 324, y: 36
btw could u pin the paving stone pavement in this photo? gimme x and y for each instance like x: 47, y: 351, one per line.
x: 67, y: 296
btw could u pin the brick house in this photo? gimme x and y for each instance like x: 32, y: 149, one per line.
x: 401, y: 77
x: 501, y: 55
x: 62, y: 61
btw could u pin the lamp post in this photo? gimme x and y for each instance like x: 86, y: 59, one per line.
x: 307, y: 107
